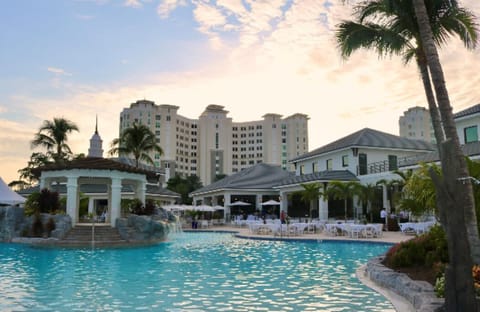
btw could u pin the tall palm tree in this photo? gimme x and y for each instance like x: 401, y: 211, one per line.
x: 390, y: 27
x: 454, y: 199
x: 137, y: 140
x: 53, y: 136
x: 311, y: 192
x: 343, y: 190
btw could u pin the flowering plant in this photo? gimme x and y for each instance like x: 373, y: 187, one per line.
x: 476, y: 278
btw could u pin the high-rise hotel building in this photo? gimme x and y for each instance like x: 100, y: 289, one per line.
x: 416, y: 124
x: 215, y: 145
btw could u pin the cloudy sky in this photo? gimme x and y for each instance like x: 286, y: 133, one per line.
x: 81, y: 58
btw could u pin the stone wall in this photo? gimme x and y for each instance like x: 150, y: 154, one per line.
x: 143, y: 228
x: 419, y: 293
x: 11, y: 222
x: 14, y: 224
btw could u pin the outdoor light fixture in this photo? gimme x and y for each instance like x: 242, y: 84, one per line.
x: 474, y: 180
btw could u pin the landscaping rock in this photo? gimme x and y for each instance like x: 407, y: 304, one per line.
x: 11, y: 222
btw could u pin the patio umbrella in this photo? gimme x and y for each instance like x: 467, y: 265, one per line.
x: 203, y: 208
x: 217, y: 207
x: 271, y: 202
x: 239, y: 203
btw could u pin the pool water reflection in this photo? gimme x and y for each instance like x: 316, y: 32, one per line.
x: 192, y: 272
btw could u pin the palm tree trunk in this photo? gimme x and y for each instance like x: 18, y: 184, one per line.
x: 449, y: 126
x: 454, y: 199
x: 432, y: 105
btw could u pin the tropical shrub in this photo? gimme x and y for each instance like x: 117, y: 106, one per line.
x: 136, y: 206
x: 426, y: 250
x: 45, y: 201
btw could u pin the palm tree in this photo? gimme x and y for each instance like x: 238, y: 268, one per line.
x: 310, y: 193
x: 367, y: 194
x: 390, y: 27
x: 137, y: 140
x: 455, y: 201
x: 53, y: 136
x: 343, y: 191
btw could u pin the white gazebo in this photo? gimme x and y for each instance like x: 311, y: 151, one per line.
x: 92, y: 170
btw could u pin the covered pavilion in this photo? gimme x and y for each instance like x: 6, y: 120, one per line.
x: 101, y: 179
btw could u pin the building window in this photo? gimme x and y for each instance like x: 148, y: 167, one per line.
x: 362, y: 164
x: 345, y: 161
x: 314, y: 167
x: 302, y: 169
x: 471, y: 134
x: 329, y: 164
x: 392, y: 162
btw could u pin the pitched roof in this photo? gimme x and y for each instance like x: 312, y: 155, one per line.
x: 323, y: 176
x: 260, y: 176
x: 94, y: 163
x: 369, y: 138
x: 468, y: 111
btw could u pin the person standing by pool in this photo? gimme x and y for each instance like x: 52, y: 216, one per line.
x: 383, y: 217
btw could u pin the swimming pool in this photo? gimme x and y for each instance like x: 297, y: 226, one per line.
x: 193, y: 272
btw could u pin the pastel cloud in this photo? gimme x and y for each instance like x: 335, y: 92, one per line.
x: 133, y: 3
x: 167, y: 6
x: 58, y: 71
x: 285, y: 61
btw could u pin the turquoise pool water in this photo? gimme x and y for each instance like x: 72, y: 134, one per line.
x: 192, y: 272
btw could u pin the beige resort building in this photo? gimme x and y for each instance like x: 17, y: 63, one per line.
x: 214, y: 144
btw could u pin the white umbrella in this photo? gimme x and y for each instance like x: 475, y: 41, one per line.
x: 203, y: 208
x: 239, y: 203
x: 217, y: 207
x: 271, y: 203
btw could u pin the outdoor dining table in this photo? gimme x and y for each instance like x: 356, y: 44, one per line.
x: 417, y: 227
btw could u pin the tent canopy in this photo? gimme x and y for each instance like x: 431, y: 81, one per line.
x: 9, y: 197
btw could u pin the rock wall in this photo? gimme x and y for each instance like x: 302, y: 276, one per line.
x: 11, y: 222
x: 419, y: 293
x: 14, y: 224
x: 143, y: 228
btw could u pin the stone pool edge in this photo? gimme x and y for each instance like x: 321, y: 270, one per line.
x: 399, y: 288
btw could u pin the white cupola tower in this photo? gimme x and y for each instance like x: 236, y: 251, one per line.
x: 95, y: 149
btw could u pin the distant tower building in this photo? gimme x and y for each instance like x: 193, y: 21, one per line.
x: 416, y: 124
x: 213, y: 144
x: 95, y: 149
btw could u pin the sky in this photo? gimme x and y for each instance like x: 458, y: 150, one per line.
x: 79, y: 59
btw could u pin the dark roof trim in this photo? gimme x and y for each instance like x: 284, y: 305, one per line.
x: 94, y: 163
x: 323, y: 176
x: 468, y: 111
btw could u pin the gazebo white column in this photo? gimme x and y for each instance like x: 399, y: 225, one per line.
x: 322, y: 209
x: 140, y: 191
x: 115, y: 200
x: 91, y: 205
x: 72, y: 199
